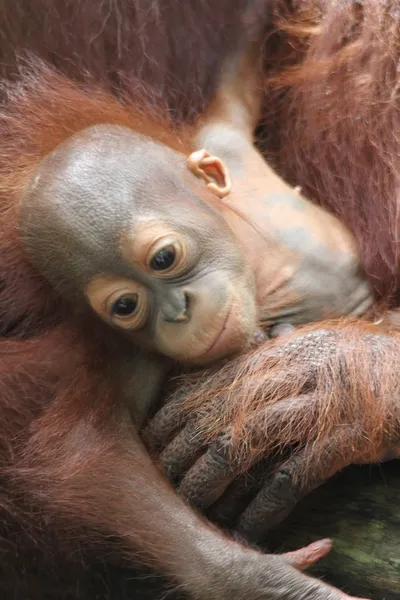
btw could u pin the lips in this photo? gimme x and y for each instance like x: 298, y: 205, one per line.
x: 219, y: 339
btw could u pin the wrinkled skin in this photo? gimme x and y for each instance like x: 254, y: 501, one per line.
x: 329, y: 393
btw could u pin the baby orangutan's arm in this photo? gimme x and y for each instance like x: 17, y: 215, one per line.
x: 329, y: 394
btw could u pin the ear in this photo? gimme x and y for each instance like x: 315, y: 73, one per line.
x: 212, y: 170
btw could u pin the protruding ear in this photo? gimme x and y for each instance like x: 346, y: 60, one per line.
x: 212, y: 170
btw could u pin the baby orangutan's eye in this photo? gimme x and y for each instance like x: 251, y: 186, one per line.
x: 167, y: 256
x: 125, y: 302
x: 125, y: 306
x: 164, y: 258
x: 128, y: 309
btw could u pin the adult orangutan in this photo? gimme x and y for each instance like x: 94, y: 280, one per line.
x: 330, y: 391
x: 125, y: 264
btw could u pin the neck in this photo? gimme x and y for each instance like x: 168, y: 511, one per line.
x: 273, y: 222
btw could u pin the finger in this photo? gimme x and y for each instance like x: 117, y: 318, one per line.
x: 281, y: 329
x: 236, y: 497
x: 273, y: 503
x: 279, y: 424
x: 165, y: 425
x: 303, y: 585
x: 208, y: 479
x: 295, y: 478
x: 306, y: 557
x: 182, y: 453
x: 216, y: 469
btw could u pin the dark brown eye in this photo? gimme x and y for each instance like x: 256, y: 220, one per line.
x: 164, y: 259
x: 125, y: 306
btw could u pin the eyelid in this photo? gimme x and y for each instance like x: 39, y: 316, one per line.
x: 159, y: 244
x: 137, y: 318
x: 103, y: 291
x: 111, y: 300
x: 181, y: 256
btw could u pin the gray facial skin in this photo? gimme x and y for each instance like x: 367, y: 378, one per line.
x: 84, y: 216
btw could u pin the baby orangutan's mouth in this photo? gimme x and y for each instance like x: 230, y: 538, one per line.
x: 217, y: 342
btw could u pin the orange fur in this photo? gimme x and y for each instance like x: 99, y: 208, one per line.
x: 351, y: 385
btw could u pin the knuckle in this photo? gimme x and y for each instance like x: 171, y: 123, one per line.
x: 282, y: 488
x: 221, y: 450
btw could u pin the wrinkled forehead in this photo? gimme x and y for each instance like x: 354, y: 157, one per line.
x: 98, y: 184
x: 109, y: 174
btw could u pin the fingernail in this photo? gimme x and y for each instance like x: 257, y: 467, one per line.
x: 325, y: 542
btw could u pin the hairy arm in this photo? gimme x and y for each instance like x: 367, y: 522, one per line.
x: 328, y: 395
x: 85, y: 465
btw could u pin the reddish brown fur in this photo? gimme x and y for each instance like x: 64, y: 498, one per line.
x: 48, y: 380
x: 43, y: 112
x: 125, y: 45
x: 354, y: 386
x: 333, y: 157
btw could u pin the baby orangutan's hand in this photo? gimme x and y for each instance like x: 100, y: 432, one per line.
x: 329, y: 396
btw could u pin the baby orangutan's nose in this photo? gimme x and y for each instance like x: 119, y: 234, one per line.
x: 175, y: 308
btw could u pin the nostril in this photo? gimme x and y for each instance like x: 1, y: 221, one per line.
x: 188, y: 304
x: 176, y: 309
x: 187, y: 301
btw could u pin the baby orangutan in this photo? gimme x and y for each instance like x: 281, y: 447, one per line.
x: 141, y: 250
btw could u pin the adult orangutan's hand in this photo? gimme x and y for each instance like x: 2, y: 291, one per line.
x: 329, y: 395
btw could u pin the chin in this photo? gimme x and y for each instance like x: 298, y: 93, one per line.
x: 230, y: 342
